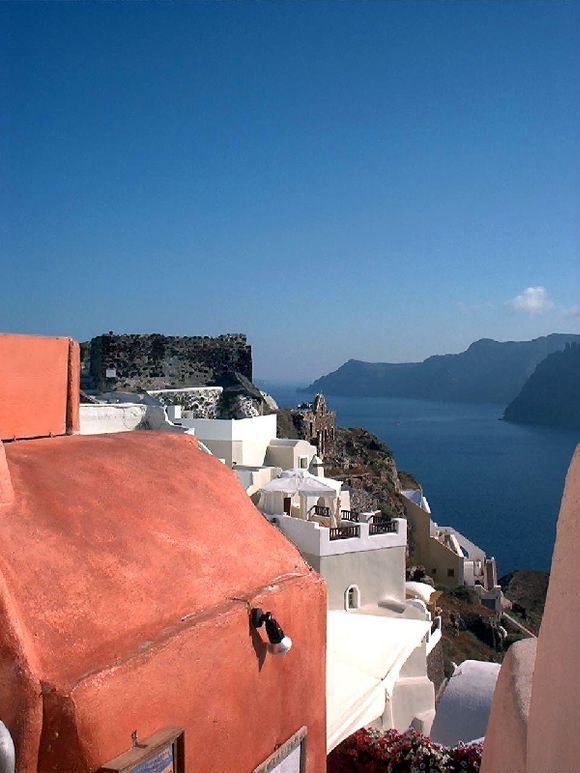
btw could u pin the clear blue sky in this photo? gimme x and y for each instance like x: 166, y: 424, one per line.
x: 377, y: 180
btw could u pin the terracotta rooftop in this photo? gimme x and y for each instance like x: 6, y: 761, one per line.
x: 112, y: 539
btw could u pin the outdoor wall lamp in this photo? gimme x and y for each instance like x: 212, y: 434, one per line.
x: 279, y: 643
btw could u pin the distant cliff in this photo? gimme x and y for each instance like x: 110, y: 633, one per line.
x: 551, y: 395
x: 488, y: 371
x: 154, y: 361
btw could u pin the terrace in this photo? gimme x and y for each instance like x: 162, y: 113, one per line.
x: 318, y: 537
x: 349, y: 526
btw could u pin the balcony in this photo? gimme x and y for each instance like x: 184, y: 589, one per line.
x: 316, y: 538
x: 383, y: 526
x: 344, y: 532
x: 349, y: 515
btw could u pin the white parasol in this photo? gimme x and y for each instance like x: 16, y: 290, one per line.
x: 299, y: 482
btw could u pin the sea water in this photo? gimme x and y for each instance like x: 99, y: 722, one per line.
x: 500, y: 484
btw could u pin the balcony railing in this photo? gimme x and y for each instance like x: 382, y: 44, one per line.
x: 320, y: 510
x: 380, y: 518
x: 349, y: 515
x: 344, y: 532
x: 383, y: 527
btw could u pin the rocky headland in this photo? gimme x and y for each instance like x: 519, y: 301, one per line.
x: 551, y: 395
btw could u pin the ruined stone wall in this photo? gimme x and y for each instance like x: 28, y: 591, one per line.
x: 160, y: 362
x: 317, y: 424
x: 202, y: 402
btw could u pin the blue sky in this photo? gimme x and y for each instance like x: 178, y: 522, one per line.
x: 377, y: 180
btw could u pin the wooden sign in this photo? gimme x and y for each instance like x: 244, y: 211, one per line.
x: 163, y: 752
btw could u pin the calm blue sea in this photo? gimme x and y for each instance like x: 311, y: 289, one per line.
x: 498, y: 483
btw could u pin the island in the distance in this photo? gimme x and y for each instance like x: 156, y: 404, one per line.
x: 487, y: 372
x: 551, y: 395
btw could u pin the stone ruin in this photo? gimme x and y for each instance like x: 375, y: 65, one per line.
x: 144, y: 362
x: 316, y: 423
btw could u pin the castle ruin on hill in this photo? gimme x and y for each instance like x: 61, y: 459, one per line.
x: 152, y: 361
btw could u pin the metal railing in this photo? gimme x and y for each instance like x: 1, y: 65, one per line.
x: 349, y: 515
x: 344, y: 532
x: 380, y: 518
x: 320, y: 510
x: 383, y: 527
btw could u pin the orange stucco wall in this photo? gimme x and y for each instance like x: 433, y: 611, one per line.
x: 125, y: 561
x: 39, y: 386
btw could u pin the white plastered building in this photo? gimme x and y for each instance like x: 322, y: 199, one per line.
x: 377, y: 640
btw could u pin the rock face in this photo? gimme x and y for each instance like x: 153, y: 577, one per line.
x: 240, y: 399
x: 141, y: 362
x: 551, y: 395
x: 527, y: 590
x: 488, y: 371
x: 367, y: 466
x: 357, y: 457
x: 203, y: 402
x: 469, y: 629
x: 234, y: 398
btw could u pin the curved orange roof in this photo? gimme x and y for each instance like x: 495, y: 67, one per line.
x: 111, y: 540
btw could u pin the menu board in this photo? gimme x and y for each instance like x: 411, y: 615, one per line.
x: 163, y: 752
x: 161, y: 762
x: 289, y: 757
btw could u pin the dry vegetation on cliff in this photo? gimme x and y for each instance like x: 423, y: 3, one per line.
x: 368, y: 467
x: 364, y: 463
x: 527, y: 591
x: 468, y: 629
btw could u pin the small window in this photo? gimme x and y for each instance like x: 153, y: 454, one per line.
x: 303, y: 462
x: 352, y: 597
x: 451, y: 573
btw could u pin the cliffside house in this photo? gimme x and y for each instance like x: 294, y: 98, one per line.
x: 253, y: 450
x: 378, y: 642
x: 362, y: 558
x: 447, y: 555
x: 126, y: 625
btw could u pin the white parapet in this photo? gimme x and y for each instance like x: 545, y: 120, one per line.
x: 100, y: 419
x: 238, y: 441
x: 103, y: 418
x: 315, y: 539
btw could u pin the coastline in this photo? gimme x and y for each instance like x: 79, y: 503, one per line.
x: 479, y: 474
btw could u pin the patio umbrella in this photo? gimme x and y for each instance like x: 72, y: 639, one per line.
x: 299, y: 482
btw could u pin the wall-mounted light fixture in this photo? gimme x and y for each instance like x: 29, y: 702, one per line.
x: 279, y: 644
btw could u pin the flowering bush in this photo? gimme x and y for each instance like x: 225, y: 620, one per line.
x: 375, y: 751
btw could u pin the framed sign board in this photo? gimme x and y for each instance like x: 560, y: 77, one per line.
x: 163, y: 752
x: 290, y: 757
